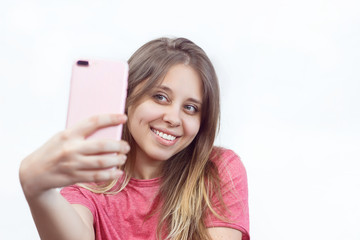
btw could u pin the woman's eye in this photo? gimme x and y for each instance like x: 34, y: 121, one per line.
x: 191, y: 109
x: 160, y: 98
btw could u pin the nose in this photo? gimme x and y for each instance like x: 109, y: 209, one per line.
x: 172, y: 116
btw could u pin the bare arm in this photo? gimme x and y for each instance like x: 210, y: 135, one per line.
x: 223, y: 233
x: 66, y: 159
x: 56, y: 219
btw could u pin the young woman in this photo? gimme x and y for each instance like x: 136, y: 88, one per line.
x: 170, y: 181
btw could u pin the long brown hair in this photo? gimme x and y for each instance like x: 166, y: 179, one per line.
x: 189, y: 178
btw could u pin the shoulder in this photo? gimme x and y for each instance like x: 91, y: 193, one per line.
x: 76, y: 191
x: 227, y: 160
x: 234, y: 192
x: 75, y: 194
x: 231, y: 173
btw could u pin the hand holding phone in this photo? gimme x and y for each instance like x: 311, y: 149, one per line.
x: 97, y: 97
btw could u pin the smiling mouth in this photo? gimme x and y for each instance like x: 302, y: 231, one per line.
x: 163, y: 135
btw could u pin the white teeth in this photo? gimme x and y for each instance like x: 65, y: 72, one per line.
x: 164, y: 135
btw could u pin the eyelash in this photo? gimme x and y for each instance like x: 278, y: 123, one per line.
x: 160, y: 98
x: 192, y: 111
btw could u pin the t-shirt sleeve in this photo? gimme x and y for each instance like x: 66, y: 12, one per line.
x: 78, y: 195
x: 234, y: 190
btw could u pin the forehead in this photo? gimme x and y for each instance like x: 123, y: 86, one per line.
x: 183, y: 79
x: 180, y: 77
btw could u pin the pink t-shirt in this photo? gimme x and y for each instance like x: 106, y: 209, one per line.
x: 124, y: 216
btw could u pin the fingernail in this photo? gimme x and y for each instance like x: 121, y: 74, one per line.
x: 122, y: 117
x: 127, y: 148
x: 117, y: 172
x: 123, y: 159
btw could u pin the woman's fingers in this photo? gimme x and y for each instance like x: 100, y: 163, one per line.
x: 90, y: 125
x: 68, y: 157
x: 98, y: 146
x: 98, y: 175
x: 104, y: 161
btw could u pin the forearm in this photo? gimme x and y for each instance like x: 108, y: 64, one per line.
x: 55, y: 218
x: 65, y: 159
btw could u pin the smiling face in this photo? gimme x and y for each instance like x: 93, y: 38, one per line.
x: 167, y: 119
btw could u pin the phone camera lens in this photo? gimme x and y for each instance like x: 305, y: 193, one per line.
x: 83, y: 63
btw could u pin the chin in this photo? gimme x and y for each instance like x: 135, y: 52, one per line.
x: 161, y: 156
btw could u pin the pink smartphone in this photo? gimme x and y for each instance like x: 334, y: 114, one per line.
x: 98, y: 87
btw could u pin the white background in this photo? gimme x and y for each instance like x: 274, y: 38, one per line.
x: 290, y: 81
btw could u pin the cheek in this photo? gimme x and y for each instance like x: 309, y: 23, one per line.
x: 142, y: 115
x: 192, y: 126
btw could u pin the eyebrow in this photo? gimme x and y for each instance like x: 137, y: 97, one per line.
x: 165, y: 88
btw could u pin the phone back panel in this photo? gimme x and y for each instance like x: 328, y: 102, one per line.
x: 98, y: 87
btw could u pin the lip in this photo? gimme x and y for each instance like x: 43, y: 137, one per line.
x: 166, y: 131
x: 163, y: 141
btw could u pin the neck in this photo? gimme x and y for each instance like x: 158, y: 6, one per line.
x: 146, y: 168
